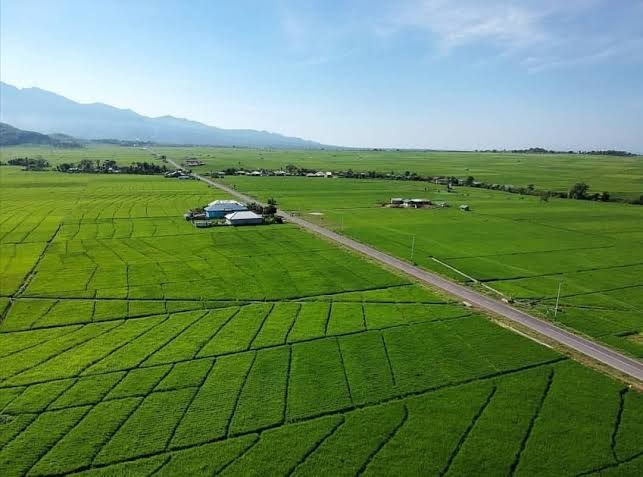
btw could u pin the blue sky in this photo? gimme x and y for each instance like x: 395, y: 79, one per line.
x: 407, y: 73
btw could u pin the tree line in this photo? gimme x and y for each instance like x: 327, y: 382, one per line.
x: 541, y: 150
x: 29, y: 163
x: 111, y: 167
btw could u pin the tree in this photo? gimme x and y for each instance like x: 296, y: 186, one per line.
x: 578, y: 191
x: 605, y: 196
x: 86, y: 165
x: 272, y: 201
x: 469, y: 181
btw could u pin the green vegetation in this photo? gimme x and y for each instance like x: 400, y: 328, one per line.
x: 517, y: 245
x: 134, y: 344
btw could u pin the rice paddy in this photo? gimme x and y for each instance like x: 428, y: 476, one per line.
x: 519, y: 246
x: 133, y: 344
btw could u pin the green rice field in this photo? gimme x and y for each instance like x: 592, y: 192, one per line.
x: 519, y: 246
x: 134, y: 344
x: 620, y: 176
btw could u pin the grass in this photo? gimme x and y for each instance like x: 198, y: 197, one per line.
x: 133, y: 344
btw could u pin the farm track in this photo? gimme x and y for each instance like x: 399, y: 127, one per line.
x: 602, y: 354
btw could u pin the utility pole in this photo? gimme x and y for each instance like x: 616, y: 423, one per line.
x: 412, y: 247
x: 560, y: 284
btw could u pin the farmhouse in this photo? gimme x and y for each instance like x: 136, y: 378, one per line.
x: 246, y: 217
x: 417, y: 203
x: 465, y: 208
x: 193, y: 162
x: 219, y: 208
x: 409, y: 203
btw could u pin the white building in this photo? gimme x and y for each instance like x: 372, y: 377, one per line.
x: 219, y: 208
x: 243, y: 218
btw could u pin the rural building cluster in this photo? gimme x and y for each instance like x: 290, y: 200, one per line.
x: 230, y: 212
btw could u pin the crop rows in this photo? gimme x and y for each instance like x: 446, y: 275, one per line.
x: 60, y: 352
x: 205, y: 426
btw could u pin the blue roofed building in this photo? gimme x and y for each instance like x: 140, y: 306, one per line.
x: 220, y: 208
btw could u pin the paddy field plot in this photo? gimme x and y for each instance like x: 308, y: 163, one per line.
x: 134, y: 344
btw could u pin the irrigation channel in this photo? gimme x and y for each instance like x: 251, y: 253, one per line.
x: 624, y: 364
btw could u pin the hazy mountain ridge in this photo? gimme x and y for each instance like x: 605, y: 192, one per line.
x: 11, y: 136
x: 41, y: 111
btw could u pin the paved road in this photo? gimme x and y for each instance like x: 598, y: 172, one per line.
x: 600, y: 353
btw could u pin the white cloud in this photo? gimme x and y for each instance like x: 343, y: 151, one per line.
x: 460, y: 23
x: 538, y: 34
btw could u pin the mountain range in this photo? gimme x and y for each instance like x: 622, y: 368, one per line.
x: 10, y: 136
x: 41, y: 111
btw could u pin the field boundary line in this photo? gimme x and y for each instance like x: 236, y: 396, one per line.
x: 261, y: 325
x: 611, y: 466
x: 562, y: 273
x: 328, y: 317
x: 287, y: 386
x: 108, y: 438
x: 617, y: 421
x: 341, y: 359
x: 30, y: 274
x: 292, y: 325
x: 48, y: 449
x: 532, y: 423
x: 197, y: 389
x: 237, y: 399
x: 467, y: 431
x: 387, y: 438
x: 195, y: 354
x: 316, y: 445
x: 241, y: 454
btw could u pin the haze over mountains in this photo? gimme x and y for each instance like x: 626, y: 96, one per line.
x: 35, y: 109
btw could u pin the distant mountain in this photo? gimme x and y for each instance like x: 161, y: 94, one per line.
x: 10, y: 136
x: 45, y: 112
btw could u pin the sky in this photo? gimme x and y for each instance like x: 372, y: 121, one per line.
x: 460, y: 74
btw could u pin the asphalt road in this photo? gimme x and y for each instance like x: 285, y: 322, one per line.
x: 600, y: 353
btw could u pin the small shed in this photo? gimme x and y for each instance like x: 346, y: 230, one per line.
x: 465, y: 208
x: 246, y: 217
x: 397, y: 201
x: 418, y: 203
